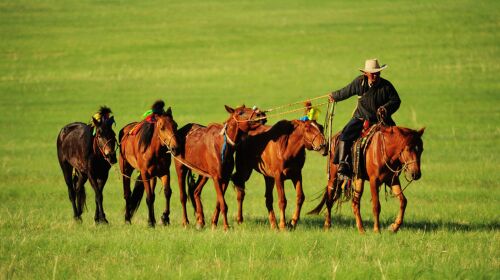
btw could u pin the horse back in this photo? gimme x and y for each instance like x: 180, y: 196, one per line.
x: 74, y: 144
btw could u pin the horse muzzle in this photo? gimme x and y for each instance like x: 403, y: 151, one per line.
x: 112, y: 158
x: 174, y: 150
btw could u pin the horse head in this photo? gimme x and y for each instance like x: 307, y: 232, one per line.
x: 167, y: 129
x: 411, y: 146
x: 314, y: 138
x: 105, y: 137
x: 247, y: 118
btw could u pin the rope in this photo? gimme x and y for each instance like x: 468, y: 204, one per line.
x: 295, y: 103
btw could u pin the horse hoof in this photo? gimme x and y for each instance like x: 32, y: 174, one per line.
x: 327, y: 227
x: 226, y: 228
x: 78, y: 219
x: 199, y: 226
x: 393, y: 228
x: 128, y: 222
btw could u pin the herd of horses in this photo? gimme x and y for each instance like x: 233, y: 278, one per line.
x: 242, y: 143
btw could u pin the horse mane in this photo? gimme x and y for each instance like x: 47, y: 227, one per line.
x: 410, y: 136
x: 147, y: 129
x: 145, y: 134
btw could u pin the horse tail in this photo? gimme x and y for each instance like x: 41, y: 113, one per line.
x: 317, y: 210
x: 136, y: 197
x: 192, y: 183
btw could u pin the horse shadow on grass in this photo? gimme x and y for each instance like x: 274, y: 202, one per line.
x: 346, y: 222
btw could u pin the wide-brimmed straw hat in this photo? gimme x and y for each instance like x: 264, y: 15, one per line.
x: 372, y: 66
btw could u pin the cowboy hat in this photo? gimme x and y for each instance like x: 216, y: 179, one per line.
x: 372, y: 66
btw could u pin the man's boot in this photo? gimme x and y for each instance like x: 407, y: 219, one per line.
x: 344, y: 166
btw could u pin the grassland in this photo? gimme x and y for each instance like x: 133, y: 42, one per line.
x: 60, y: 60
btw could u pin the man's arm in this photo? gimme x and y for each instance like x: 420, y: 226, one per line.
x: 393, y: 104
x: 351, y: 89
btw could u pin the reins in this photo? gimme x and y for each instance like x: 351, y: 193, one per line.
x: 396, y: 172
x: 96, y: 143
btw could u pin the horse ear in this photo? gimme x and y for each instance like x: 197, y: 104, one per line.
x: 421, y: 131
x: 169, y: 111
x: 229, y: 109
x: 95, y: 122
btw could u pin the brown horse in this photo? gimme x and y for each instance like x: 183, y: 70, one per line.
x: 209, y: 151
x: 278, y: 153
x: 391, y: 151
x: 87, y: 152
x: 145, y: 146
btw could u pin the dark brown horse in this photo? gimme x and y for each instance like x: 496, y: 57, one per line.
x: 145, y: 146
x: 278, y: 153
x: 209, y: 151
x: 87, y: 152
x: 391, y: 151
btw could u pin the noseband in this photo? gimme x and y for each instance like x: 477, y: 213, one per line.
x: 312, y: 141
x: 166, y: 143
x: 101, y: 149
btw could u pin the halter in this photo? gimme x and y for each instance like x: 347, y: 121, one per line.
x: 404, y: 166
x: 101, y: 149
x: 167, y: 144
x: 314, y: 138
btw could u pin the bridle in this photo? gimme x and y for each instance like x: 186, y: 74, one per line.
x: 163, y: 141
x: 101, y: 148
x: 404, y: 164
x: 317, y: 148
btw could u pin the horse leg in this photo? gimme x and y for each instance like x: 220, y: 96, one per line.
x: 81, y: 197
x: 98, y: 198
x: 150, y: 197
x: 165, y: 180
x: 374, y: 188
x: 356, y: 203
x: 396, y: 189
x: 101, y: 182
x: 280, y: 187
x: 269, y: 201
x: 181, y: 179
x: 297, y: 181
x: 126, y: 171
x: 219, y: 189
x: 330, y: 199
x: 200, y: 216
x: 239, y: 178
x: 67, y: 170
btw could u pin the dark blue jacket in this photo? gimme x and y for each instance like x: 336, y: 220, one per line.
x: 381, y: 94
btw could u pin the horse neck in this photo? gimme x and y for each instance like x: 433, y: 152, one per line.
x: 390, y: 144
x: 295, y: 140
x: 233, y: 132
x: 155, y: 144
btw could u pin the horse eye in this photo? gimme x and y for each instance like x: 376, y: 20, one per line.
x: 241, y: 113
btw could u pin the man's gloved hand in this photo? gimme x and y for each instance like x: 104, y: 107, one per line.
x: 382, y: 112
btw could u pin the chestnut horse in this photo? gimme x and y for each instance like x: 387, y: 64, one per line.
x: 146, y: 148
x: 391, y: 151
x: 87, y: 152
x: 209, y: 151
x: 278, y: 153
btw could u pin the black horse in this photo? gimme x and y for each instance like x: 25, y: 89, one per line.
x: 87, y: 152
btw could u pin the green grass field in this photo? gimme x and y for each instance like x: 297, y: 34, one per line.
x: 60, y: 60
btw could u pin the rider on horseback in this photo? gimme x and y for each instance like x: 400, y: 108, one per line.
x: 375, y: 96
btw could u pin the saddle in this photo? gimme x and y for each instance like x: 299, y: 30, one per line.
x: 358, y: 150
x: 138, y: 126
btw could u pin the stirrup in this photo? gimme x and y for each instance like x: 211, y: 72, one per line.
x: 344, y: 171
